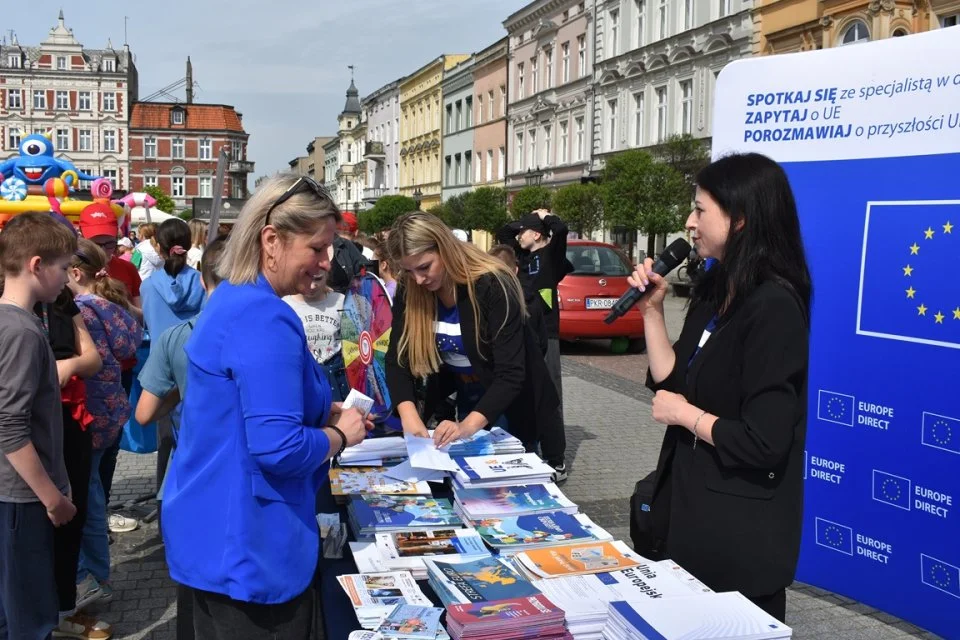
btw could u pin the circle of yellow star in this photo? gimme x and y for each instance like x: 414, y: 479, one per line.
x: 948, y: 228
x: 928, y: 234
x: 908, y: 270
x: 956, y: 313
x: 914, y: 249
x: 911, y: 292
x: 922, y: 310
x: 938, y: 317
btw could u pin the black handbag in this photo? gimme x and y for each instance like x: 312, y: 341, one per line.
x: 646, y: 542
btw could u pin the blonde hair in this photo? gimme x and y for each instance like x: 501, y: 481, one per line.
x: 300, y: 214
x: 146, y: 231
x: 198, y: 232
x: 92, y: 262
x: 416, y: 233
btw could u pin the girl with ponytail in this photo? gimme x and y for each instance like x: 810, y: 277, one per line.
x: 105, y: 308
x: 174, y: 293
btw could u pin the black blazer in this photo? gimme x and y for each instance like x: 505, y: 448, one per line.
x: 508, y: 363
x: 731, y: 513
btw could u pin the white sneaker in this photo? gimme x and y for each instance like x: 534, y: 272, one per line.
x: 83, y: 627
x: 117, y: 523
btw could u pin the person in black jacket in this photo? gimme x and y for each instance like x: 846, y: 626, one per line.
x: 459, y: 320
x: 728, y: 499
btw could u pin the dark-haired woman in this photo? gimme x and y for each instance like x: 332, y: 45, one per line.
x: 728, y: 500
x: 172, y: 295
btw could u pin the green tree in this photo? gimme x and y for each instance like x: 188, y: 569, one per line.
x: 383, y: 214
x: 186, y: 214
x: 640, y: 193
x: 686, y: 154
x: 529, y: 199
x: 486, y: 209
x: 164, y: 202
x: 452, y: 211
x: 580, y: 206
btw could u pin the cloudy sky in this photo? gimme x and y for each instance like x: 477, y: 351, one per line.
x: 282, y: 63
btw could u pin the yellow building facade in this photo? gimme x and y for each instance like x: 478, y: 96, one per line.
x: 421, y: 101
x: 786, y: 26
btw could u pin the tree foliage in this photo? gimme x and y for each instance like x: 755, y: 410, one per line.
x: 641, y: 193
x: 452, y: 211
x: 580, y: 206
x: 164, y: 202
x: 383, y: 214
x: 485, y: 208
x: 529, y: 199
x: 686, y: 154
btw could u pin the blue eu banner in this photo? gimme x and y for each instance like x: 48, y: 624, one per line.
x: 835, y: 536
x: 906, y: 290
x: 941, y: 432
x: 940, y: 575
x: 891, y: 489
x: 835, y: 407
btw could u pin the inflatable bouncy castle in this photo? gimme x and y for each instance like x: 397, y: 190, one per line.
x: 35, y: 180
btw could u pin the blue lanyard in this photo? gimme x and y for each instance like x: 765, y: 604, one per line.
x: 707, y: 332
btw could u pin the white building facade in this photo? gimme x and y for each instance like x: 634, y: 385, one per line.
x: 549, y: 94
x: 80, y: 96
x: 331, y: 167
x: 352, y: 170
x: 381, y: 112
x: 457, y: 126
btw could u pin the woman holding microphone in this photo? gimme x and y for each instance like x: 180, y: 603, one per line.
x: 728, y: 500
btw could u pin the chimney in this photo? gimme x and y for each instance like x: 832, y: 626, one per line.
x: 189, y: 81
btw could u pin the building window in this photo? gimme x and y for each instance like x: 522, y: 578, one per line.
x: 662, y: 19
x: 177, y: 149
x: 468, y: 112
x: 61, y: 63
x: 687, y: 14
x: 614, y: 32
x: 547, y: 145
x: 638, y: 119
x: 723, y: 7
x: 534, y: 75
x: 458, y: 168
x: 83, y: 100
x: 945, y: 21
x: 62, y: 100
x: 579, y: 130
x: 150, y: 181
x: 489, y: 168
x: 661, y: 114
x: 63, y: 139
x: 490, y: 110
x: 581, y: 56
x: 109, y: 101
x: 467, y: 167
x: 177, y: 186
x: 109, y: 64
x: 856, y: 32
x: 520, y: 83
x: 14, y: 61
x: 548, y: 70
x: 39, y: 99
x: 177, y: 116
x: 206, y: 149
x: 503, y: 100
x: 111, y: 175
x: 110, y: 140
x: 900, y: 32
x: 479, y: 109
x: 565, y: 61
x: 532, y: 147
x: 85, y: 140
x: 640, y: 11
x: 564, y: 142
x: 479, y: 166
x: 612, y: 124
x: 150, y: 147
x: 458, y: 108
x: 501, y: 157
x: 206, y: 186
x: 518, y: 156
x: 686, y: 106
x: 14, y: 137
x: 449, y: 118
x: 448, y: 174
x: 15, y: 99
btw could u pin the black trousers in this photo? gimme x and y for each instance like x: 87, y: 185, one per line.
x: 219, y: 617
x: 77, y: 451
x: 28, y: 595
x: 553, y: 444
x: 775, y: 604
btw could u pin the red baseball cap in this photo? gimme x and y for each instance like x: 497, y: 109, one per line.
x: 98, y: 219
x: 349, y: 222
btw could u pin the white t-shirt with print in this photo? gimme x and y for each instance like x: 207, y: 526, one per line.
x: 321, y: 323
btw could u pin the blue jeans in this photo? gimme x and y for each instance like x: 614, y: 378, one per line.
x: 337, y: 377
x: 28, y: 589
x: 95, y: 547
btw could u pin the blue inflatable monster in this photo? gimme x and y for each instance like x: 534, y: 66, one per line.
x: 36, y: 164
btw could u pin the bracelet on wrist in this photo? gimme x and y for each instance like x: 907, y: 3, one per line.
x: 343, y: 440
x: 696, y: 423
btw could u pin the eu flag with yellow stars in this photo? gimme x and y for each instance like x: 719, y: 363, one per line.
x: 909, y: 289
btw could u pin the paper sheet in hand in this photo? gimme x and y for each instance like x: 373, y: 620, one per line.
x: 425, y: 455
x: 358, y: 401
x: 406, y: 472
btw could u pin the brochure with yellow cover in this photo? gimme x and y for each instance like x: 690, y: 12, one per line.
x: 576, y: 559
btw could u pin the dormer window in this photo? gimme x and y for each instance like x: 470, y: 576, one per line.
x: 109, y: 64
x: 177, y: 116
x: 61, y: 63
x: 14, y: 61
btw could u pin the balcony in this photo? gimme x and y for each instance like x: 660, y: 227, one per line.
x: 373, y: 194
x: 240, y: 166
x: 374, y: 151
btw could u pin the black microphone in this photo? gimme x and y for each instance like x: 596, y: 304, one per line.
x: 669, y: 260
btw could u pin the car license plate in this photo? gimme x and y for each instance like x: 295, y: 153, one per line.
x: 601, y: 303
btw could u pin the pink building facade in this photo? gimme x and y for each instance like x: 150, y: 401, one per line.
x: 490, y: 115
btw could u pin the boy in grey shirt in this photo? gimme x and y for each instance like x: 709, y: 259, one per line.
x: 35, y: 252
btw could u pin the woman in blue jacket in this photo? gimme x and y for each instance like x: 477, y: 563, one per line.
x: 257, y: 427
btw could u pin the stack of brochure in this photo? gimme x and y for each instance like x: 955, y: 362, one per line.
x: 514, y: 534
x: 502, y: 619
x: 483, y: 442
x: 478, y: 580
x: 501, y: 471
x: 406, y: 551
x: 504, y: 442
x: 375, y: 595
x: 584, y: 598
x: 576, y: 559
x: 373, y: 452
x: 705, y: 616
x: 371, y: 480
x: 494, y: 502
x: 374, y: 514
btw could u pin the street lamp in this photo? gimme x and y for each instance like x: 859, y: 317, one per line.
x: 417, y: 197
x: 534, y: 177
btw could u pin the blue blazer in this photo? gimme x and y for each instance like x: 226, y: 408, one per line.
x: 239, y: 501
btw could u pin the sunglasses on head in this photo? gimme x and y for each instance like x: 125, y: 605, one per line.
x: 298, y: 186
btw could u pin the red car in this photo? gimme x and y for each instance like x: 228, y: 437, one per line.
x: 598, y: 279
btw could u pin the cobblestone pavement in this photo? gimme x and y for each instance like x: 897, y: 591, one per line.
x: 612, y: 442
